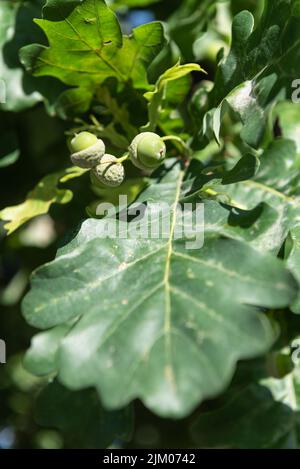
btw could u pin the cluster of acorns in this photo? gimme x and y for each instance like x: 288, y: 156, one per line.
x: 146, y: 151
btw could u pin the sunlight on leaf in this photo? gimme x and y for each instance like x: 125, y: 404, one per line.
x: 40, y: 199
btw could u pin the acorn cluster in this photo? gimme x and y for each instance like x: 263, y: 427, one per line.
x: 146, y: 151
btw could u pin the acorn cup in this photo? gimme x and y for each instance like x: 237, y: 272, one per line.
x: 109, y: 172
x: 87, y: 150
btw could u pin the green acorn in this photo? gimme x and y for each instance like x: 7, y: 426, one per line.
x: 109, y: 172
x: 87, y: 150
x: 147, y: 151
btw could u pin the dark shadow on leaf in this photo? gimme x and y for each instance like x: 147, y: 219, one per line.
x: 56, y: 10
x: 69, y: 235
x: 248, y: 419
x: 26, y: 32
x: 245, y: 219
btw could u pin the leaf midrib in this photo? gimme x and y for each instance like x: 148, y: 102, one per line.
x: 167, y: 323
x: 166, y: 332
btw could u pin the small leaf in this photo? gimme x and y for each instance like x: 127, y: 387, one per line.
x: 39, y: 200
x: 157, y: 96
x: 243, y: 101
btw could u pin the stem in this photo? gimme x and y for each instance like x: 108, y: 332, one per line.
x: 177, y: 139
x: 95, y: 121
x: 123, y: 158
x: 231, y: 201
x: 94, y: 127
x: 211, y: 192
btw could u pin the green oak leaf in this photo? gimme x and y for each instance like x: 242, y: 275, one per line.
x: 40, y: 199
x: 259, y: 70
x: 40, y: 359
x: 149, y: 318
x: 237, y: 215
x: 247, y: 103
x: 261, y: 415
x: 261, y: 50
x: 81, y: 415
x: 86, y: 47
x: 276, y: 184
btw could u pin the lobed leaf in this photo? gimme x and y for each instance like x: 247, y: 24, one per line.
x: 86, y: 47
x: 148, y: 318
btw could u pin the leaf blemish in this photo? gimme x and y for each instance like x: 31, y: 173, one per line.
x: 190, y: 274
x: 122, y: 266
x: 209, y: 283
x: 109, y: 363
x: 90, y: 20
x: 169, y: 375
